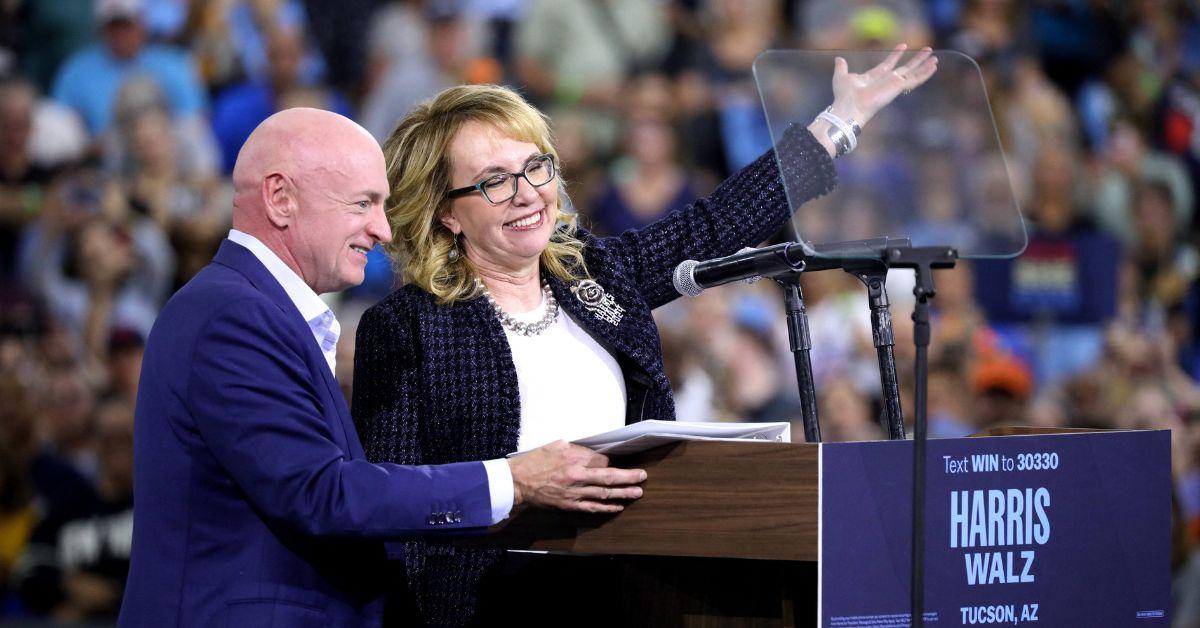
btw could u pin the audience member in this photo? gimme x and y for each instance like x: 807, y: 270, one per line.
x: 89, y: 80
x: 576, y: 54
x: 23, y: 183
x: 404, y: 78
x: 50, y: 32
x: 647, y: 180
x: 241, y: 107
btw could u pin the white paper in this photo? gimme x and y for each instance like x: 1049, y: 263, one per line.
x: 645, y: 435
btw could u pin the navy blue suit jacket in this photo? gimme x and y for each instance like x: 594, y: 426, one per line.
x: 254, y: 503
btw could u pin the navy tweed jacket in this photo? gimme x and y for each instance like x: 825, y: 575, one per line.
x: 436, y: 384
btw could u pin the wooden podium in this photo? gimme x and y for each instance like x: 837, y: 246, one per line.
x: 725, y: 535
x: 702, y: 499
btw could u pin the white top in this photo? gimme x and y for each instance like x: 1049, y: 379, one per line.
x: 499, y: 475
x: 570, y: 386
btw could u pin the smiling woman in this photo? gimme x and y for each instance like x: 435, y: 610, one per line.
x: 516, y: 327
x: 441, y: 157
x: 507, y: 223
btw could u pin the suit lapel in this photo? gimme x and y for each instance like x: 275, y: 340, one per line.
x: 242, y: 260
x: 621, y: 338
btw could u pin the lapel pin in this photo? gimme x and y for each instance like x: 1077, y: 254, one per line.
x: 600, y: 303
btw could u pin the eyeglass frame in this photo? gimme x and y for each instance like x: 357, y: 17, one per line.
x: 516, y: 176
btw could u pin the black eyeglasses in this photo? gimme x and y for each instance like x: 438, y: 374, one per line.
x: 500, y: 188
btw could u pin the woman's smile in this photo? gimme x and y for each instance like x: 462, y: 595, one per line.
x: 528, y: 222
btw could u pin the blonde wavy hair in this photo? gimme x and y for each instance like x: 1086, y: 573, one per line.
x: 418, y: 171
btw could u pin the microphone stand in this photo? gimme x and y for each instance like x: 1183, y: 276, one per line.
x: 865, y: 261
x: 872, y: 269
x: 922, y: 260
x: 800, y: 343
x: 873, y: 275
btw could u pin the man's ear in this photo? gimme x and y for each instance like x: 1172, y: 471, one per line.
x: 279, y: 197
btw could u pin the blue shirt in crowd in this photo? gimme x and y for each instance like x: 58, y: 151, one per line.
x: 90, y: 80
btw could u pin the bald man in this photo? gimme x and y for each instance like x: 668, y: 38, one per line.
x: 255, y: 505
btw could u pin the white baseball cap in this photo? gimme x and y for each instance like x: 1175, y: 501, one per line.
x: 109, y: 10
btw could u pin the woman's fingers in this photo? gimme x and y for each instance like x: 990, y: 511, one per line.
x: 920, y: 73
x: 917, y: 59
x: 890, y: 62
x: 925, y: 71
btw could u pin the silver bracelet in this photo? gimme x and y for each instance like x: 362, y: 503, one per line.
x: 841, y: 142
x: 854, y: 126
x: 844, y: 134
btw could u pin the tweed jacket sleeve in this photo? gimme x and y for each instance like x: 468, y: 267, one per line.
x: 386, y: 405
x: 744, y: 210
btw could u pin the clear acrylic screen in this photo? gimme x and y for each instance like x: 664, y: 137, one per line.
x: 928, y: 167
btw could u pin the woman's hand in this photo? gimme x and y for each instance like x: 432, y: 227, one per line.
x: 859, y: 97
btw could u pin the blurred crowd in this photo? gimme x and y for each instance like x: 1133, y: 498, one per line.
x: 120, y: 121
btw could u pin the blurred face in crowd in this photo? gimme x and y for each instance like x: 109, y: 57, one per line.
x: 16, y: 118
x: 1053, y: 181
x: 998, y: 406
x: 124, y: 369
x: 749, y: 377
x: 446, y: 42
x: 105, y: 253
x: 114, y: 431
x: 847, y: 413
x: 19, y: 415
x: 651, y: 95
x: 507, y: 236
x: 1154, y: 221
x: 151, y: 141
x: 1149, y: 409
x: 124, y: 37
x: 955, y: 288
x: 651, y: 140
x: 938, y: 192
x: 70, y: 402
x: 285, y: 48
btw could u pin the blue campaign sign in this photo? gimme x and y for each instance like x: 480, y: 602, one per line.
x: 1056, y: 530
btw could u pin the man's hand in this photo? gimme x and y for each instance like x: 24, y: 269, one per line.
x: 569, y: 477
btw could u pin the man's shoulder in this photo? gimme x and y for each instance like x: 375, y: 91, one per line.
x: 217, y: 278
x: 88, y: 56
x: 215, y: 291
x: 86, y: 65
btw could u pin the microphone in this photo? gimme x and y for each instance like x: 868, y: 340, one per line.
x: 692, y: 277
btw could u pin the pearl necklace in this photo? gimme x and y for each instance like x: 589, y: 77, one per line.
x: 517, y: 327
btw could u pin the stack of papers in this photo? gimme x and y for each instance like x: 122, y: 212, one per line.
x: 648, y: 434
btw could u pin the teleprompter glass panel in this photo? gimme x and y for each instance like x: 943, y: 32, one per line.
x: 928, y: 169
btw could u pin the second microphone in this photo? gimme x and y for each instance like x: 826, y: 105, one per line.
x: 692, y: 277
